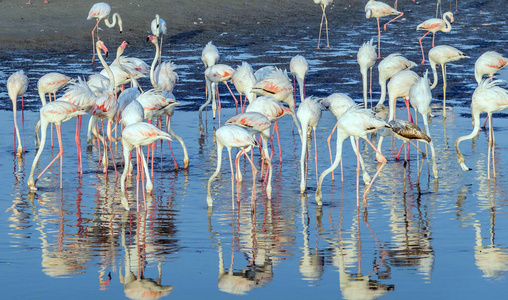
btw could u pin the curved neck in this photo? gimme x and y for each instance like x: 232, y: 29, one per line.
x: 115, y: 18
x: 111, y: 76
x: 434, y: 72
x: 382, y: 98
x: 152, y: 68
x: 448, y: 25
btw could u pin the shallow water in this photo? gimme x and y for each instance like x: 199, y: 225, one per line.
x: 417, y: 238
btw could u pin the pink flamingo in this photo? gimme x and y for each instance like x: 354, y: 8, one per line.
x: 244, y: 80
x: 323, y: 4
x: 54, y: 112
x: 488, y: 97
x: 434, y: 25
x: 230, y: 136
x: 50, y: 83
x: 378, y: 9
x: 489, y: 63
x: 134, y: 136
x: 388, y: 67
x: 101, y: 11
x: 210, y: 55
x: 17, y: 85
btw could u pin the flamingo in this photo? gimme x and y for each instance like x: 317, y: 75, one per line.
x: 101, y: 11
x: 17, y: 85
x: 159, y: 29
x: 273, y: 110
x: 278, y: 85
x: 420, y: 96
x: 323, y: 4
x: 366, y: 58
x: 434, y: 25
x: 255, y: 123
x: 243, y: 79
x: 299, y: 67
x: 134, y: 136
x: 388, y: 67
x: 338, y: 104
x: 214, y: 75
x: 488, y: 64
x: 442, y: 55
x: 399, y: 86
x: 30, y: 2
x: 488, y: 97
x: 309, y: 113
x: 53, y: 112
x: 50, y: 83
x: 359, y: 123
x: 230, y: 136
x: 378, y: 9
x: 210, y: 55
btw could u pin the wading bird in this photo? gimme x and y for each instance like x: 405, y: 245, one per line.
x: 17, y: 84
x: 377, y: 9
x: 388, y: 67
x: 101, y: 11
x: 323, y: 4
x: 366, y: 58
x: 434, y: 25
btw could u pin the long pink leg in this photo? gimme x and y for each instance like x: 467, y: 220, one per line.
x: 378, y: 39
x: 357, y: 172
x: 236, y: 101
x: 93, y: 39
x: 315, y: 151
x: 384, y: 26
x: 278, y: 140
x: 421, y: 46
x: 78, y: 146
x: 433, y: 37
x: 383, y: 163
x: 60, y: 152
x: 23, y: 122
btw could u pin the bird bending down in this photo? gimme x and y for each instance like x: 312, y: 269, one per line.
x: 434, y: 25
x: 255, y: 123
x: 366, y: 58
x: 50, y: 83
x: 210, y: 55
x: 134, y: 136
x: 230, y: 136
x: 244, y: 80
x: 309, y: 113
x: 17, y: 85
x: 442, y: 55
x: 488, y: 64
x: 359, y: 123
x: 377, y: 9
x: 388, y: 67
x: 323, y: 4
x: 53, y: 112
x: 101, y: 11
x: 299, y: 67
x: 420, y: 96
x: 488, y: 97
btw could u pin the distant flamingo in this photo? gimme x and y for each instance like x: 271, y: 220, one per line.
x: 488, y: 64
x: 378, y: 9
x: 309, y: 113
x: 255, y: 123
x: 17, y: 85
x: 210, y: 55
x: 230, y: 136
x: 101, y: 11
x: 434, y: 25
x: 420, y: 97
x: 30, y: 2
x: 244, y: 80
x: 134, y: 136
x: 324, y: 4
x: 50, y: 83
x: 159, y: 29
x: 488, y: 97
x: 359, y: 123
x: 442, y: 55
x: 388, y: 67
x: 53, y: 112
x: 366, y: 58
x: 299, y: 67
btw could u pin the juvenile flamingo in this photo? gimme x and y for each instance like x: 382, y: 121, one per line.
x: 434, y: 25
x: 17, y: 85
x: 53, y: 112
x: 309, y: 113
x: 230, y: 136
x: 378, y: 9
x: 442, y: 55
x: 488, y: 97
x: 366, y: 58
x: 323, y: 4
x: 359, y: 123
x: 101, y: 11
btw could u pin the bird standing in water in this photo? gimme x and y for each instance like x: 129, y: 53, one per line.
x: 324, y: 4
x: 17, y: 85
x: 101, y: 11
x: 434, y: 25
x: 378, y: 9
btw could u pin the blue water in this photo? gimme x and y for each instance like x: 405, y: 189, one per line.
x: 418, y: 238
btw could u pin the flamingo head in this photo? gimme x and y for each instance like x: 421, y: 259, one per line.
x: 100, y: 45
x: 124, y: 44
x: 152, y: 38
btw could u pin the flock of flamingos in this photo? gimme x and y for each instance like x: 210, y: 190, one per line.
x: 265, y: 96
